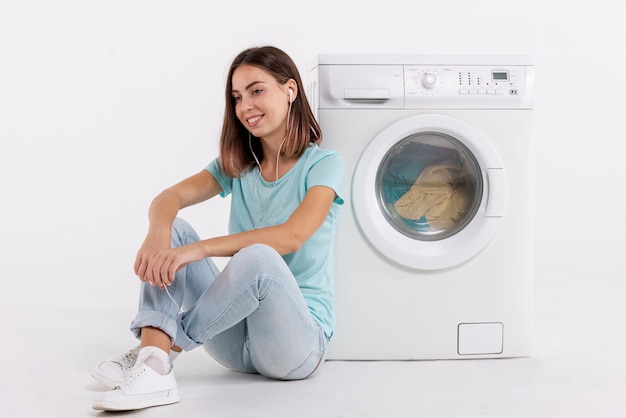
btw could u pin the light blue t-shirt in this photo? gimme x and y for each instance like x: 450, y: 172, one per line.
x: 257, y: 203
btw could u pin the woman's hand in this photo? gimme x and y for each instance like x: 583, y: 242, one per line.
x: 146, y: 255
x: 161, y: 269
x: 159, y: 266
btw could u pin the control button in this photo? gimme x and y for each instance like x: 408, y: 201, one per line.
x: 500, y: 92
x: 472, y: 91
x: 463, y: 91
x: 429, y: 80
x: 491, y: 91
x: 482, y: 91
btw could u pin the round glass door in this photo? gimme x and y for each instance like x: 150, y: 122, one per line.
x: 429, y: 186
x: 429, y: 192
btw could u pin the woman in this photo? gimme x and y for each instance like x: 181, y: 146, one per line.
x: 270, y: 310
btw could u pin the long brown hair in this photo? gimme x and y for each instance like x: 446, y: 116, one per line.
x: 302, y: 128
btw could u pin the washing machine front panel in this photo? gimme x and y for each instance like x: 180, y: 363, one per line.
x: 388, y: 311
x: 425, y: 193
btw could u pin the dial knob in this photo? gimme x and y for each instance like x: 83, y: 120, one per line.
x: 429, y: 80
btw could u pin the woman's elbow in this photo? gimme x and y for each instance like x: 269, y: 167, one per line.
x: 295, y: 241
x: 293, y: 245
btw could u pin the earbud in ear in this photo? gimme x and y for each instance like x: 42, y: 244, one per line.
x: 290, y: 96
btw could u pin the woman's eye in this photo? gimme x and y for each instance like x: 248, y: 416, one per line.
x: 257, y: 91
x: 236, y: 99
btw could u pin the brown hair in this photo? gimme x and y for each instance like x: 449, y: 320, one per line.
x: 302, y: 128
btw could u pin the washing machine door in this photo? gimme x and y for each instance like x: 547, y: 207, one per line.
x: 429, y: 192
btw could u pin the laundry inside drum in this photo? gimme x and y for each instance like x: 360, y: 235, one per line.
x: 429, y: 186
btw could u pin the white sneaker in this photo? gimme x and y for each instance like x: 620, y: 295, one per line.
x: 141, y: 388
x: 112, y: 372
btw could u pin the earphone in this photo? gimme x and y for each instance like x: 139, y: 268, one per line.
x: 290, y: 96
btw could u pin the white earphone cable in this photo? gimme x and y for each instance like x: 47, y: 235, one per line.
x: 261, y: 170
x: 170, y: 296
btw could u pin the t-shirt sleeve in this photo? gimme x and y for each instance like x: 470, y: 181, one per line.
x: 328, y: 172
x: 225, y: 182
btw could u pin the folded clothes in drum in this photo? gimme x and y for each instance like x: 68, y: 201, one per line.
x: 436, y: 196
x: 406, y: 164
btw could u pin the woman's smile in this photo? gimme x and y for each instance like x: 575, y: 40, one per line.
x: 253, y: 121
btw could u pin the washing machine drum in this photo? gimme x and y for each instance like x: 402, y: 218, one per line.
x: 428, y: 192
x: 429, y: 186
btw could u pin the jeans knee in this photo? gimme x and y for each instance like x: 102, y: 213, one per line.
x: 264, y: 257
x: 183, y: 233
x: 262, y: 250
x: 180, y: 225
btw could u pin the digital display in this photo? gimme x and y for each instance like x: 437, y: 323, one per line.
x: 500, y: 75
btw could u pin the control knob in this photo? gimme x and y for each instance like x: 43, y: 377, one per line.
x: 429, y: 81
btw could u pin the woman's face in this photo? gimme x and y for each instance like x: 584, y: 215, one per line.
x: 261, y: 103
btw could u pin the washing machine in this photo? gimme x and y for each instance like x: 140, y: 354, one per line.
x: 434, y: 253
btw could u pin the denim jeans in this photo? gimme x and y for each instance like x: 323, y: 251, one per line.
x: 251, y: 317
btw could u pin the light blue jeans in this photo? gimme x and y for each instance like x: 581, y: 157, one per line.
x: 251, y: 317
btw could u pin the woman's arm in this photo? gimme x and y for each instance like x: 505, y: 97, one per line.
x: 163, y: 210
x: 284, y: 238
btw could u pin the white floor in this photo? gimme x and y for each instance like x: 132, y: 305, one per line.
x: 577, y: 370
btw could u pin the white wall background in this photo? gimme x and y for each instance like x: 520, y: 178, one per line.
x: 105, y: 103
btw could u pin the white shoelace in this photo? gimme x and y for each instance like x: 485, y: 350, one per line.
x: 128, y: 359
x: 133, y: 373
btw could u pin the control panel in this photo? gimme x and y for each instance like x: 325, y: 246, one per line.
x: 379, y: 82
x: 455, y: 81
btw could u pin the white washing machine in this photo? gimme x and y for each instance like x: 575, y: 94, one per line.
x: 434, y: 249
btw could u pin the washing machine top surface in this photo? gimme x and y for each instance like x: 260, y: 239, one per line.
x: 420, y: 59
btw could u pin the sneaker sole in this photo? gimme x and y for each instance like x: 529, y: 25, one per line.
x: 171, y: 398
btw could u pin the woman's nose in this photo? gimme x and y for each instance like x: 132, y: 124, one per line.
x: 246, y: 103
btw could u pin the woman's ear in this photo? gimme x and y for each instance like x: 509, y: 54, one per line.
x: 292, y: 90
